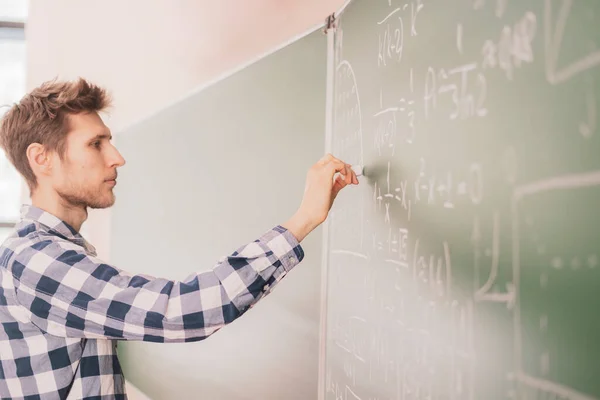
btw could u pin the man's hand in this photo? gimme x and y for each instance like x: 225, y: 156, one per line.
x: 319, y: 194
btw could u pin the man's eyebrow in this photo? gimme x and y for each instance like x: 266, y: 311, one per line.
x: 102, y: 136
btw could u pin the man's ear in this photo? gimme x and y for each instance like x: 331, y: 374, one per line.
x: 39, y: 159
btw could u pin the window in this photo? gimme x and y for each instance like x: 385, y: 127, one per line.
x: 12, y: 87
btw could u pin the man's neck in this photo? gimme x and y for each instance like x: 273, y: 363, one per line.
x: 75, y: 216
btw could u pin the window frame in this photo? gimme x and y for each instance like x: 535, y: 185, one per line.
x: 11, y: 30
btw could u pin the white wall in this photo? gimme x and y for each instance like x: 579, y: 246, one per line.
x: 149, y: 53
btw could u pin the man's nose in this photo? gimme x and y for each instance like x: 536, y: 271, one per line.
x: 116, y: 159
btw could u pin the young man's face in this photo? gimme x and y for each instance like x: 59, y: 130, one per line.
x: 87, y: 174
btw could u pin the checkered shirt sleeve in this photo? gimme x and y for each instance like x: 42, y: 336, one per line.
x: 69, y: 293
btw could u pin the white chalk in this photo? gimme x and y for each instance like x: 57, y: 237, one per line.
x: 358, y: 170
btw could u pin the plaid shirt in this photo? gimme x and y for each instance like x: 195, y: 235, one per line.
x: 62, y: 310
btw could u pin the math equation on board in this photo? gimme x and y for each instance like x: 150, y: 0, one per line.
x: 466, y: 263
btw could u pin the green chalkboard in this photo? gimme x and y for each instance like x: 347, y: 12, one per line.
x: 203, y: 176
x: 467, y: 263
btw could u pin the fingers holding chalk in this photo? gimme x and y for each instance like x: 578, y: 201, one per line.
x: 358, y: 170
x: 352, y: 173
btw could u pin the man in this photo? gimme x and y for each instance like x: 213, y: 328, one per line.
x: 62, y: 309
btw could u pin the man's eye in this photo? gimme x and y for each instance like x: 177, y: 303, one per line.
x: 96, y: 144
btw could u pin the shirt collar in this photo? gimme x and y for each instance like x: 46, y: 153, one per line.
x: 55, y: 225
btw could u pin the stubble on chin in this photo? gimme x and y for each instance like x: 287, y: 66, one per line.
x: 88, y: 199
